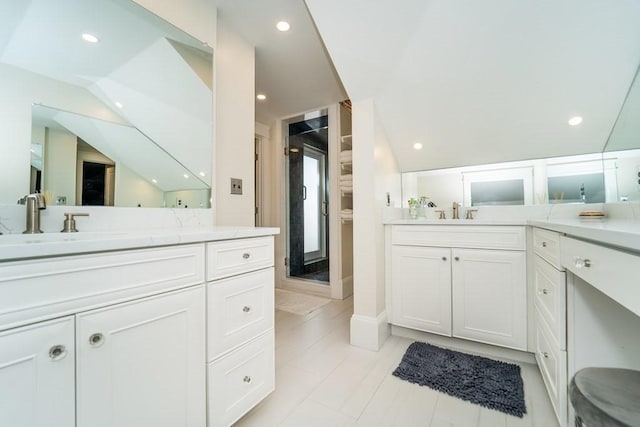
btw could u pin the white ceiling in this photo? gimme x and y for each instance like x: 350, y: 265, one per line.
x: 293, y: 69
x: 474, y: 82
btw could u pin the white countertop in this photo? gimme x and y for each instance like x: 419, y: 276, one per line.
x: 424, y: 221
x: 24, y: 246
x: 620, y: 233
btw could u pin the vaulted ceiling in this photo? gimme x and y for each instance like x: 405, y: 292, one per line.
x: 473, y: 82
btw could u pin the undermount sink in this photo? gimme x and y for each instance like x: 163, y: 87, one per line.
x: 17, y: 239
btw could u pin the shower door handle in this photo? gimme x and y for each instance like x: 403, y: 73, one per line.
x: 304, y: 192
x: 325, y: 211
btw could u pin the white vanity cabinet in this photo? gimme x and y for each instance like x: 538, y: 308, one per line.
x: 550, y: 290
x: 463, y: 281
x: 240, y: 303
x: 129, y: 349
x: 37, y: 386
x: 138, y: 337
x: 141, y: 363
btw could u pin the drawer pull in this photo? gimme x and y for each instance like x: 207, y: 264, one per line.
x: 57, y: 352
x: 457, y: 258
x: 580, y: 263
x: 444, y: 258
x: 247, y: 379
x: 246, y: 255
x: 545, y: 291
x: 545, y: 354
x: 96, y: 340
x: 246, y: 309
x: 544, y: 244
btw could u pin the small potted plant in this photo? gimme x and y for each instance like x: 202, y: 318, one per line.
x: 413, y: 207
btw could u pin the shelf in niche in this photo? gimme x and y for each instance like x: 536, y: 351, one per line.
x: 346, y: 140
x: 346, y: 166
x: 347, y: 220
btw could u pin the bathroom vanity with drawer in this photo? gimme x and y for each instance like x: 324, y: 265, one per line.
x: 164, y: 329
x: 586, y: 302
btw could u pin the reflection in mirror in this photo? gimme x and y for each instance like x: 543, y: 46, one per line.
x: 622, y: 151
x: 81, y: 160
x: 152, y: 81
x: 568, y: 179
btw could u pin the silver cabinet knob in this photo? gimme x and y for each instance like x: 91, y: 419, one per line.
x: 545, y: 354
x: 247, y: 379
x: 582, y: 263
x: 457, y: 258
x: 545, y: 291
x: 96, y: 340
x: 246, y: 255
x: 57, y: 352
x: 246, y: 309
x: 444, y: 258
x: 544, y: 244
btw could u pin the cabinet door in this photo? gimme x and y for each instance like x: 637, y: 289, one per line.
x: 490, y: 296
x: 421, y: 288
x: 142, y: 363
x: 37, y: 383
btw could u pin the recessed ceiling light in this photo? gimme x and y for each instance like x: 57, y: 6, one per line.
x: 155, y: 181
x: 575, y: 121
x: 261, y: 96
x: 185, y: 176
x: 202, y: 174
x: 118, y: 104
x: 90, y: 38
x: 283, y: 26
x: 417, y: 146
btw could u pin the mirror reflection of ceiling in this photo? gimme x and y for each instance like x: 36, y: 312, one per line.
x: 483, y: 82
x: 626, y: 132
x: 160, y: 76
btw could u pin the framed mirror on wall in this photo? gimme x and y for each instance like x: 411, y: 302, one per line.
x: 114, y: 77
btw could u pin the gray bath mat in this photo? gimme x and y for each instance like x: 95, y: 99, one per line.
x: 486, y: 382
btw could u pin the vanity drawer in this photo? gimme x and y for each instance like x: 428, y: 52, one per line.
x: 551, y: 298
x: 460, y: 236
x: 241, y: 379
x: 553, y: 367
x: 611, y: 271
x: 547, y: 244
x: 240, y: 308
x: 230, y: 257
x: 35, y: 290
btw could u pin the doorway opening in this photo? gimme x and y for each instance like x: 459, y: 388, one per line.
x: 308, y: 195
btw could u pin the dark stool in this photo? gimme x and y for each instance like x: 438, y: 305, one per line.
x: 606, y: 397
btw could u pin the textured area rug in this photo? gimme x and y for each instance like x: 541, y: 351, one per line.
x: 486, y: 382
x: 297, y: 303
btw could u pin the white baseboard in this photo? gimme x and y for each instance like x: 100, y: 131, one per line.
x: 471, y: 347
x: 369, y: 332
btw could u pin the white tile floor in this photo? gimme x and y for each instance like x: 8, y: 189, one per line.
x: 321, y: 380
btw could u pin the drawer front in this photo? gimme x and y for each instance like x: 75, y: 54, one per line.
x: 240, y: 380
x: 553, y: 367
x: 612, y: 272
x: 551, y: 299
x: 233, y: 257
x: 547, y: 244
x: 240, y: 308
x: 460, y: 236
x: 36, y: 290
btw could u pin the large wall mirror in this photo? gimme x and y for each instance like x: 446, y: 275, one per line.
x: 612, y: 175
x: 104, y: 103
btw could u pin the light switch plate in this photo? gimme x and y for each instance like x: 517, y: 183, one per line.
x: 236, y: 186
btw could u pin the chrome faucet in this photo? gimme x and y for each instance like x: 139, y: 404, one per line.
x: 35, y: 203
x: 455, y: 214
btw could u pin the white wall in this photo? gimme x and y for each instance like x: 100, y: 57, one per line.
x: 375, y: 173
x: 234, y: 74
